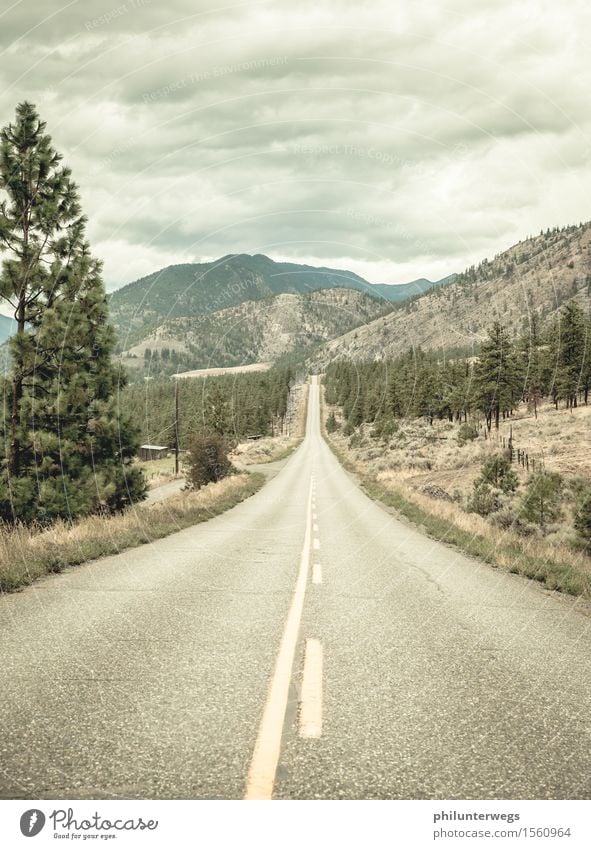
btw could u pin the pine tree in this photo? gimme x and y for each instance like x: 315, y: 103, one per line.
x: 497, y: 379
x: 541, y: 501
x: 69, y: 448
x: 498, y: 472
x: 534, y: 364
x: 571, y: 351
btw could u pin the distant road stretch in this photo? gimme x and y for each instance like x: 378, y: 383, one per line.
x: 306, y: 644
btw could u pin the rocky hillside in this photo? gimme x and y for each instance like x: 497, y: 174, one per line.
x: 255, y: 331
x: 536, y: 275
x: 196, y: 289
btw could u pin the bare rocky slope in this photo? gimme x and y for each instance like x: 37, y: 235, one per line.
x: 261, y: 330
x: 535, y: 275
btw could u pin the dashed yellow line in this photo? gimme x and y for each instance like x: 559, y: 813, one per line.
x: 311, y: 704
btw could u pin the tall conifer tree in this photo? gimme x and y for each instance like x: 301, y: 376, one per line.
x: 67, y: 447
x: 497, y: 379
x: 570, y: 351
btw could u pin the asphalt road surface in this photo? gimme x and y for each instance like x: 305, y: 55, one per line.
x: 305, y: 644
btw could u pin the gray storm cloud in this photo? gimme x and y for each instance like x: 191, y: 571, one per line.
x: 396, y: 142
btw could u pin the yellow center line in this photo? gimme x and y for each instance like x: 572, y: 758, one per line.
x: 263, y: 766
x: 311, y: 704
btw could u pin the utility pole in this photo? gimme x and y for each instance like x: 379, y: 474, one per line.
x: 176, y: 426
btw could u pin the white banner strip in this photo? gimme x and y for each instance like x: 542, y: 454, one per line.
x: 291, y: 825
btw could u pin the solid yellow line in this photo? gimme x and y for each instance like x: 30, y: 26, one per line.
x: 263, y: 766
x: 311, y: 704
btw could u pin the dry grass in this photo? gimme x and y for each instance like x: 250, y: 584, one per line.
x: 420, y: 455
x: 266, y: 450
x: 560, y: 438
x: 213, y: 372
x: 160, y: 471
x: 27, y: 554
x: 555, y: 563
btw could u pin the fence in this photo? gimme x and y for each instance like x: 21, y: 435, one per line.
x: 519, y: 455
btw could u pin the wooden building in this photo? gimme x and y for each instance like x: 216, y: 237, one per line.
x: 153, y: 452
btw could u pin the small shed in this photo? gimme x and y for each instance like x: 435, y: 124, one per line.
x: 153, y: 452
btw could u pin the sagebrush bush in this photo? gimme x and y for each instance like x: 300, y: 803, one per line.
x: 466, y: 433
x: 583, y: 519
x: 509, y: 519
x: 484, y: 500
x: 331, y: 423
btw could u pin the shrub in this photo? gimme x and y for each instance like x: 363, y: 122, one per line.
x: 497, y: 471
x: 384, y: 427
x: 466, y: 433
x: 484, y: 499
x: 541, y: 502
x: 208, y: 460
x: 349, y: 429
x: 508, y: 520
x: 331, y: 423
x: 583, y: 519
x: 356, y: 440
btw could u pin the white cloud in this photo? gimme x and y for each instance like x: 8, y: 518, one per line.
x: 397, y: 141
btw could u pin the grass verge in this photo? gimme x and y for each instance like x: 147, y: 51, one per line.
x: 26, y: 554
x: 569, y: 573
x: 270, y: 450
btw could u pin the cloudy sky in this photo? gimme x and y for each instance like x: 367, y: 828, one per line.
x: 399, y: 140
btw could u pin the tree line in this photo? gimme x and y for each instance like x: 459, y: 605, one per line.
x: 551, y: 361
x: 234, y: 406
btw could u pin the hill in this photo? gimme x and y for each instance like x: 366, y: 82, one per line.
x: 405, y: 291
x: 196, y: 289
x: 535, y: 275
x: 263, y: 330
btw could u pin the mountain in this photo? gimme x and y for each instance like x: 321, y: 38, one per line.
x: 404, y: 291
x: 255, y: 331
x: 535, y: 275
x: 196, y: 289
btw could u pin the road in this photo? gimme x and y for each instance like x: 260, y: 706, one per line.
x: 165, y: 490
x: 305, y: 644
